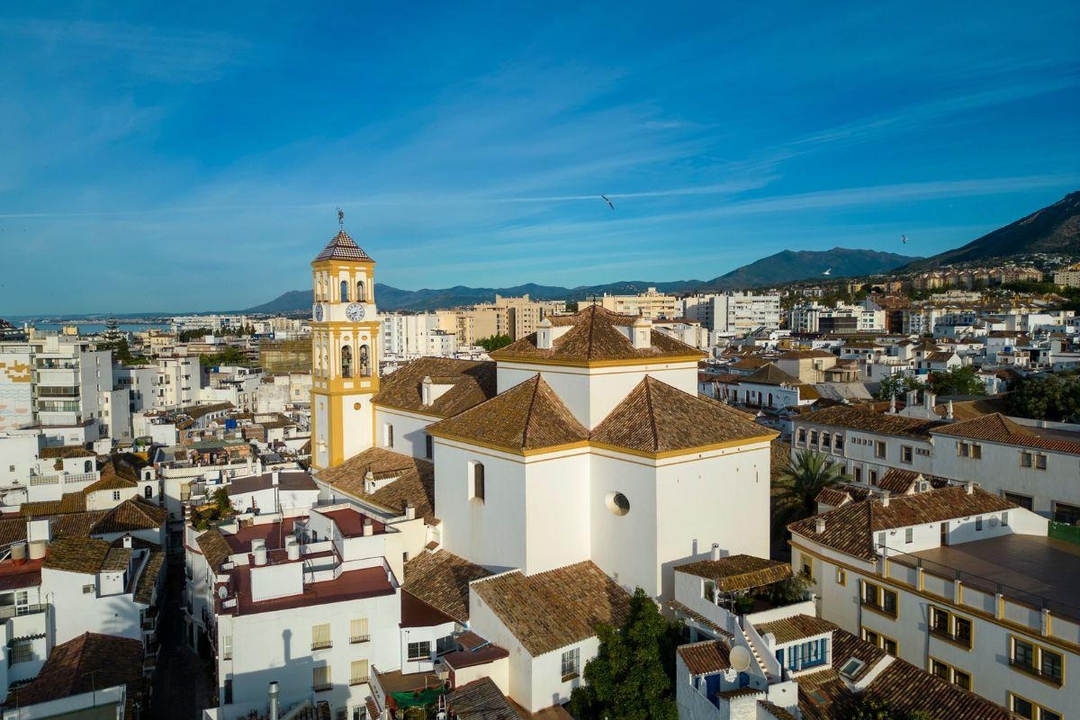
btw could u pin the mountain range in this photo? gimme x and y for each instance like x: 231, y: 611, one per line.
x: 1053, y: 230
x: 783, y: 267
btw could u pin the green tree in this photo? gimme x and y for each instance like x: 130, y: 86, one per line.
x: 494, y: 342
x: 897, y: 385
x: 632, y: 675
x: 958, y: 381
x: 798, y: 486
x: 1049, y: 397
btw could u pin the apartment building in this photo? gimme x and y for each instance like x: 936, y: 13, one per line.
x: 650, y: 304
x: 957, y: 581
x: 733, y: 313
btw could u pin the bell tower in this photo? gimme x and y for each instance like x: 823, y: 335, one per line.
x: 345, y: 351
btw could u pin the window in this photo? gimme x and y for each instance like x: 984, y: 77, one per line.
x: 617, y: 503
x: 879, y: 598
x: 1065, y: 513
x: 909, y: 535
x: 813, y: 437
x: 445, y: 645
x: 1026, y: 459
x: 361, y: 296
x: 978, y: 523
x: 905, y: 454
x: 320, y: 637
x: 389, y: 435
x: 1022, y: 500
x: 358, y: 631
x: 346, y: 361
x: 419, y: 651
x: 365, y: 361
x: 841, y: 576
x: 949, y: 626
x: 320, y: 679
x: 344, y: 291
x: 1040, y: 462
x: 1028, y: 709
x: 358, y: 672
x: 116, y: 495
x: 21, y: 652
x: 570, y: 664
x: 826, y: 440
x: 858, y: 474
x: 477, y: 481
x: 873, y: 477
x: 950, y: 674
x: 800, y: 438
x: 1037, y: 660
x: 429, y: 447
x: 226, y: 647
x: 879, y: 449
x: 880, y: 641
x: 148, y: 492
x: 838, y: 443
x: 708, y: 590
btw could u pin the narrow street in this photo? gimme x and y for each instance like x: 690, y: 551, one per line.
x: 182, y: 685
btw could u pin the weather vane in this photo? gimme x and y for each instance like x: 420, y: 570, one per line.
x: 341, y: 218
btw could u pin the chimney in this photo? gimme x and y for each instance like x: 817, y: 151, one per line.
x: 543, y: 335
x: 892, y: 404
x: 369, y: 482
x: 819, y: 526
x: 369, y: 527
x: 716, y: 551
x: 641, y: 333
x: 275, y: 478
x: 969, y: 487
x: 885, y: 498
x: 274, y: 700
x: 410, y: 510
x: 929, y: 399
x: 127, y: 542
x: 949, y: 411
x: 912, y: 398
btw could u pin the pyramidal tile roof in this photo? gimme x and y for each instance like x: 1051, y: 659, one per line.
x: 595, y: 337
x: 771, y: 375
x: 529, y: 416
x: 657, y: 418
x: 342, y: 247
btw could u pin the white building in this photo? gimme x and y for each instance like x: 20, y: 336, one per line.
x: 736, y: 312
x: 959, y: 582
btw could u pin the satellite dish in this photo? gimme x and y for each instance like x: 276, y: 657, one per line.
x: 740, y: 658
x: 222, y: 592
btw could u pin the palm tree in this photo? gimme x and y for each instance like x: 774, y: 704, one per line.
x: 796, y: 489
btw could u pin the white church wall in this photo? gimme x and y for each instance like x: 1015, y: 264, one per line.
x: 622, y: 545
x: 556, y: 510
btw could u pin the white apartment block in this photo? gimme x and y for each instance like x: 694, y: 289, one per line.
x: 959, y: 582
x: 168, y: 383
x: 62, y: 388
x: 650, y: 304
x: 411, y: 336
x: 736, y: 312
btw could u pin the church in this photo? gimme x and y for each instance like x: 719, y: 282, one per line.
x: 535, y: 491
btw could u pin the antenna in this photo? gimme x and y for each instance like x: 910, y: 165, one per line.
x: 341, y: 218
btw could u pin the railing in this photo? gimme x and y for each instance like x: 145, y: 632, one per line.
x: 1037, y: 672
x: 961, y: 640
x: 322, y: 687
x: 322, y: 645
x: 10, y: 611
x: 359, y: 639
x: 358, y: 680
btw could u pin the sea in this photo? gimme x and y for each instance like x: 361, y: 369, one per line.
x: 95, y: 328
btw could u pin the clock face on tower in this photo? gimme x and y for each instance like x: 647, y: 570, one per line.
x: 355, y: 312
x: 318, y: 312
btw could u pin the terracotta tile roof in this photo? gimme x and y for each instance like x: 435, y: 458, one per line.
x: 118, y: 559
x: 553, y: 609
x: 738, y: 572
x: 415, y: 480
x: 75, y: 554
x: 79, y: 666
x: 940, y: 356
x: 851, y: 528
x: 999, y: 428
x: 214, y: 548
x: 595, y: 338
x: 144, y: 589
x: 868, y: 418
x: 832, y: 496
x: 287, y: 480
x: 473, y: 383
x: 469, y: 640
x: 657, y: 418
x: 415, y: 613
x: 796, y: 627
x: 480, y: 700
x: 111, y: 481
x: 903, y: 686
x: 465, y: 658
x: 706, y: 657
x: 131, y: 515
x: 749, y: 363
x: 899, y: 481
x: 776, y: 711
x: 68, y: 503
x: 806, y: 354
x: 528, y: 416
x: 342, y: 247
x: 441, y: 579
x: 65, y: 451
x: 770, y: 374
x: 697, y: 617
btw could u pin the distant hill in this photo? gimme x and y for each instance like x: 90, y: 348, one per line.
x: 1054, y: 230
x: 783, y: 267
x: 788, y: 266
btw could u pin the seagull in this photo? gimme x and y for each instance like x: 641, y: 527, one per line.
x: 903, y: 239
x: 608, y: 201
x: 827, y: 272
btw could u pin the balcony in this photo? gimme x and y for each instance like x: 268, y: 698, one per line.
x: 322, y: 645
x: 359, y: 639
x: 1053, y: 679
x: 322, y: 687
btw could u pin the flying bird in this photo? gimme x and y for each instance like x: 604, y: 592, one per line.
x: 610, y: 205
x: 827, y: 272
x: 903, y: 239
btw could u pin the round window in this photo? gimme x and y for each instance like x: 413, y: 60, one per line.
x: 617, y: 503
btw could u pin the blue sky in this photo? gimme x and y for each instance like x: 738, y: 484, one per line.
x: 173, y: 156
